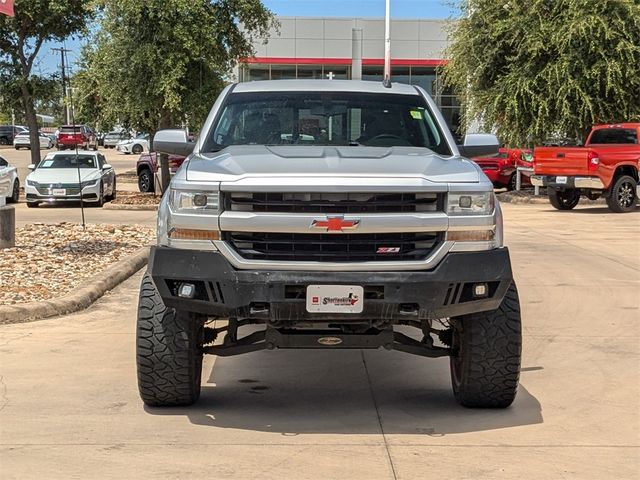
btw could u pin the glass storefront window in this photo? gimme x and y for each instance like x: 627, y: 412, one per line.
x: 401, y: 75
x: 310, y: 71
x: 373, y: 74
x: 424, y: 77
x: 257, y: 72
x: 283, y: 72
x: 337, y: 72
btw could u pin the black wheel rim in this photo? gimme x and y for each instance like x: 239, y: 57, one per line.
x: 567, y: 198
x: 625, y: 195
x: 144, y: 182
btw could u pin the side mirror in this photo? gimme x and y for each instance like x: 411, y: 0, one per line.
x: 479, y: 145
x: 106, y: 166
x: 173, y: 142
x: 31, y: 167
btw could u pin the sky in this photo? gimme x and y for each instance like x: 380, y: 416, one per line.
x: 49, y: 61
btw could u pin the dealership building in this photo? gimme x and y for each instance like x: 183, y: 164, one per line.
x: 313, y: 47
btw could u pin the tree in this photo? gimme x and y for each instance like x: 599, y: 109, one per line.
x: 535, y: 68
x: 158, y: 63
x: 21, y: 39
x: 46, y: 92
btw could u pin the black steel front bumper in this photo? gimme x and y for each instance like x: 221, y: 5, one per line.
x: 280, y: 296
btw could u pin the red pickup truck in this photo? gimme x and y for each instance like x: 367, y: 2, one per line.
x: 606, y: 166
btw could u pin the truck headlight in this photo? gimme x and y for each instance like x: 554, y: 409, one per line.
x: 187, y: 201
x: 472, y: 203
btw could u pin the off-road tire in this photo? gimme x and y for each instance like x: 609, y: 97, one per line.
x: 486, y: 366
x: 145, y: 181
x: 563, y: 200
x: 168, y: 351
x: 622, y: 197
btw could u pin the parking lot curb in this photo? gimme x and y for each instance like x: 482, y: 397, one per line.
x: 95, y: 288
x: 540, y: 200
x: 146, y: 208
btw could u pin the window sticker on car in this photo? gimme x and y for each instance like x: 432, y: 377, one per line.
x: 47, y: 163
x: 416, y: 114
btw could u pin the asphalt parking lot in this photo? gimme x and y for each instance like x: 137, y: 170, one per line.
x: 22, y: 159
x: 69, y: 407
x: 71, y: 212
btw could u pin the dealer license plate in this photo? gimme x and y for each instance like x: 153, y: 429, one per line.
x: 59, y: 192
x: 561, y: 179
x: 335, y: 299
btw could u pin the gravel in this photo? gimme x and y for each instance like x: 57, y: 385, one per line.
x: 136, y: 198
x: 51, y: 260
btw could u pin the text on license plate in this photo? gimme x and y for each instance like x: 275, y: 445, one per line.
x: 335, y: 299
x: 59, y: 192
x: 561, y: 179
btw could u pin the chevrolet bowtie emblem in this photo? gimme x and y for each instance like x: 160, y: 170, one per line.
x: 335, y: 224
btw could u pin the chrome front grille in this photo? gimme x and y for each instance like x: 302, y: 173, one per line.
x: 47, y: 189
x: 334, y: 247
x: 334, y: 203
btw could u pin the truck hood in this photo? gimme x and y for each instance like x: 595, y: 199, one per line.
x: 236, y: 163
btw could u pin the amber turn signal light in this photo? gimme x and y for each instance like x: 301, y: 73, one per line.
x: 471, y: 236
x: 192, y: 234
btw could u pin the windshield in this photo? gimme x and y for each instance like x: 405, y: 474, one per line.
x: 326, y: 118
x: 69, y: 161
x: 75, y: 130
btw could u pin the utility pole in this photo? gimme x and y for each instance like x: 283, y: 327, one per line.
x: 63, y: 52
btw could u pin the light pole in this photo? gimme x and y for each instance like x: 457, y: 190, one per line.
x: 387, y: 45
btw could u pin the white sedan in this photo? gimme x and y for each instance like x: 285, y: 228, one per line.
x: 62, y: 176
x: 134, y: 145
x: 22, y: 140
x: 9, y: 182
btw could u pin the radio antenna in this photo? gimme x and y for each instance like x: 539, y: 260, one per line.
x: 73, y: 126
x: 387, y: 46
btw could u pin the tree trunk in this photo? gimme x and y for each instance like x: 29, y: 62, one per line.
x: 32, y: 121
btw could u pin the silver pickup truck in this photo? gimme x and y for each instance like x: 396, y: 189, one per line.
x: 328, y: 215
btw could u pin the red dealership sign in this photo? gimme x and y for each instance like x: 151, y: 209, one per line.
x: 6, y: 7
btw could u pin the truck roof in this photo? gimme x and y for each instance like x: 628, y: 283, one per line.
x: 616, y: 125
x: 323, y: 86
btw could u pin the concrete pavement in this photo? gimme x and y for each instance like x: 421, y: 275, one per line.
x: 69, y: 406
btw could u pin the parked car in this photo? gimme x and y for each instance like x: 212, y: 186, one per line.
x: 378, y: 224
x: 147, y: 166
x: 23, y: 140
x: 501, y: 168
x: 9, y: 181
x: 56, y: 179
x: 80, y: 136
x: 8, y: 132
x: 135, y: 145
x: 111, y: 139
x: 607, y: 166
